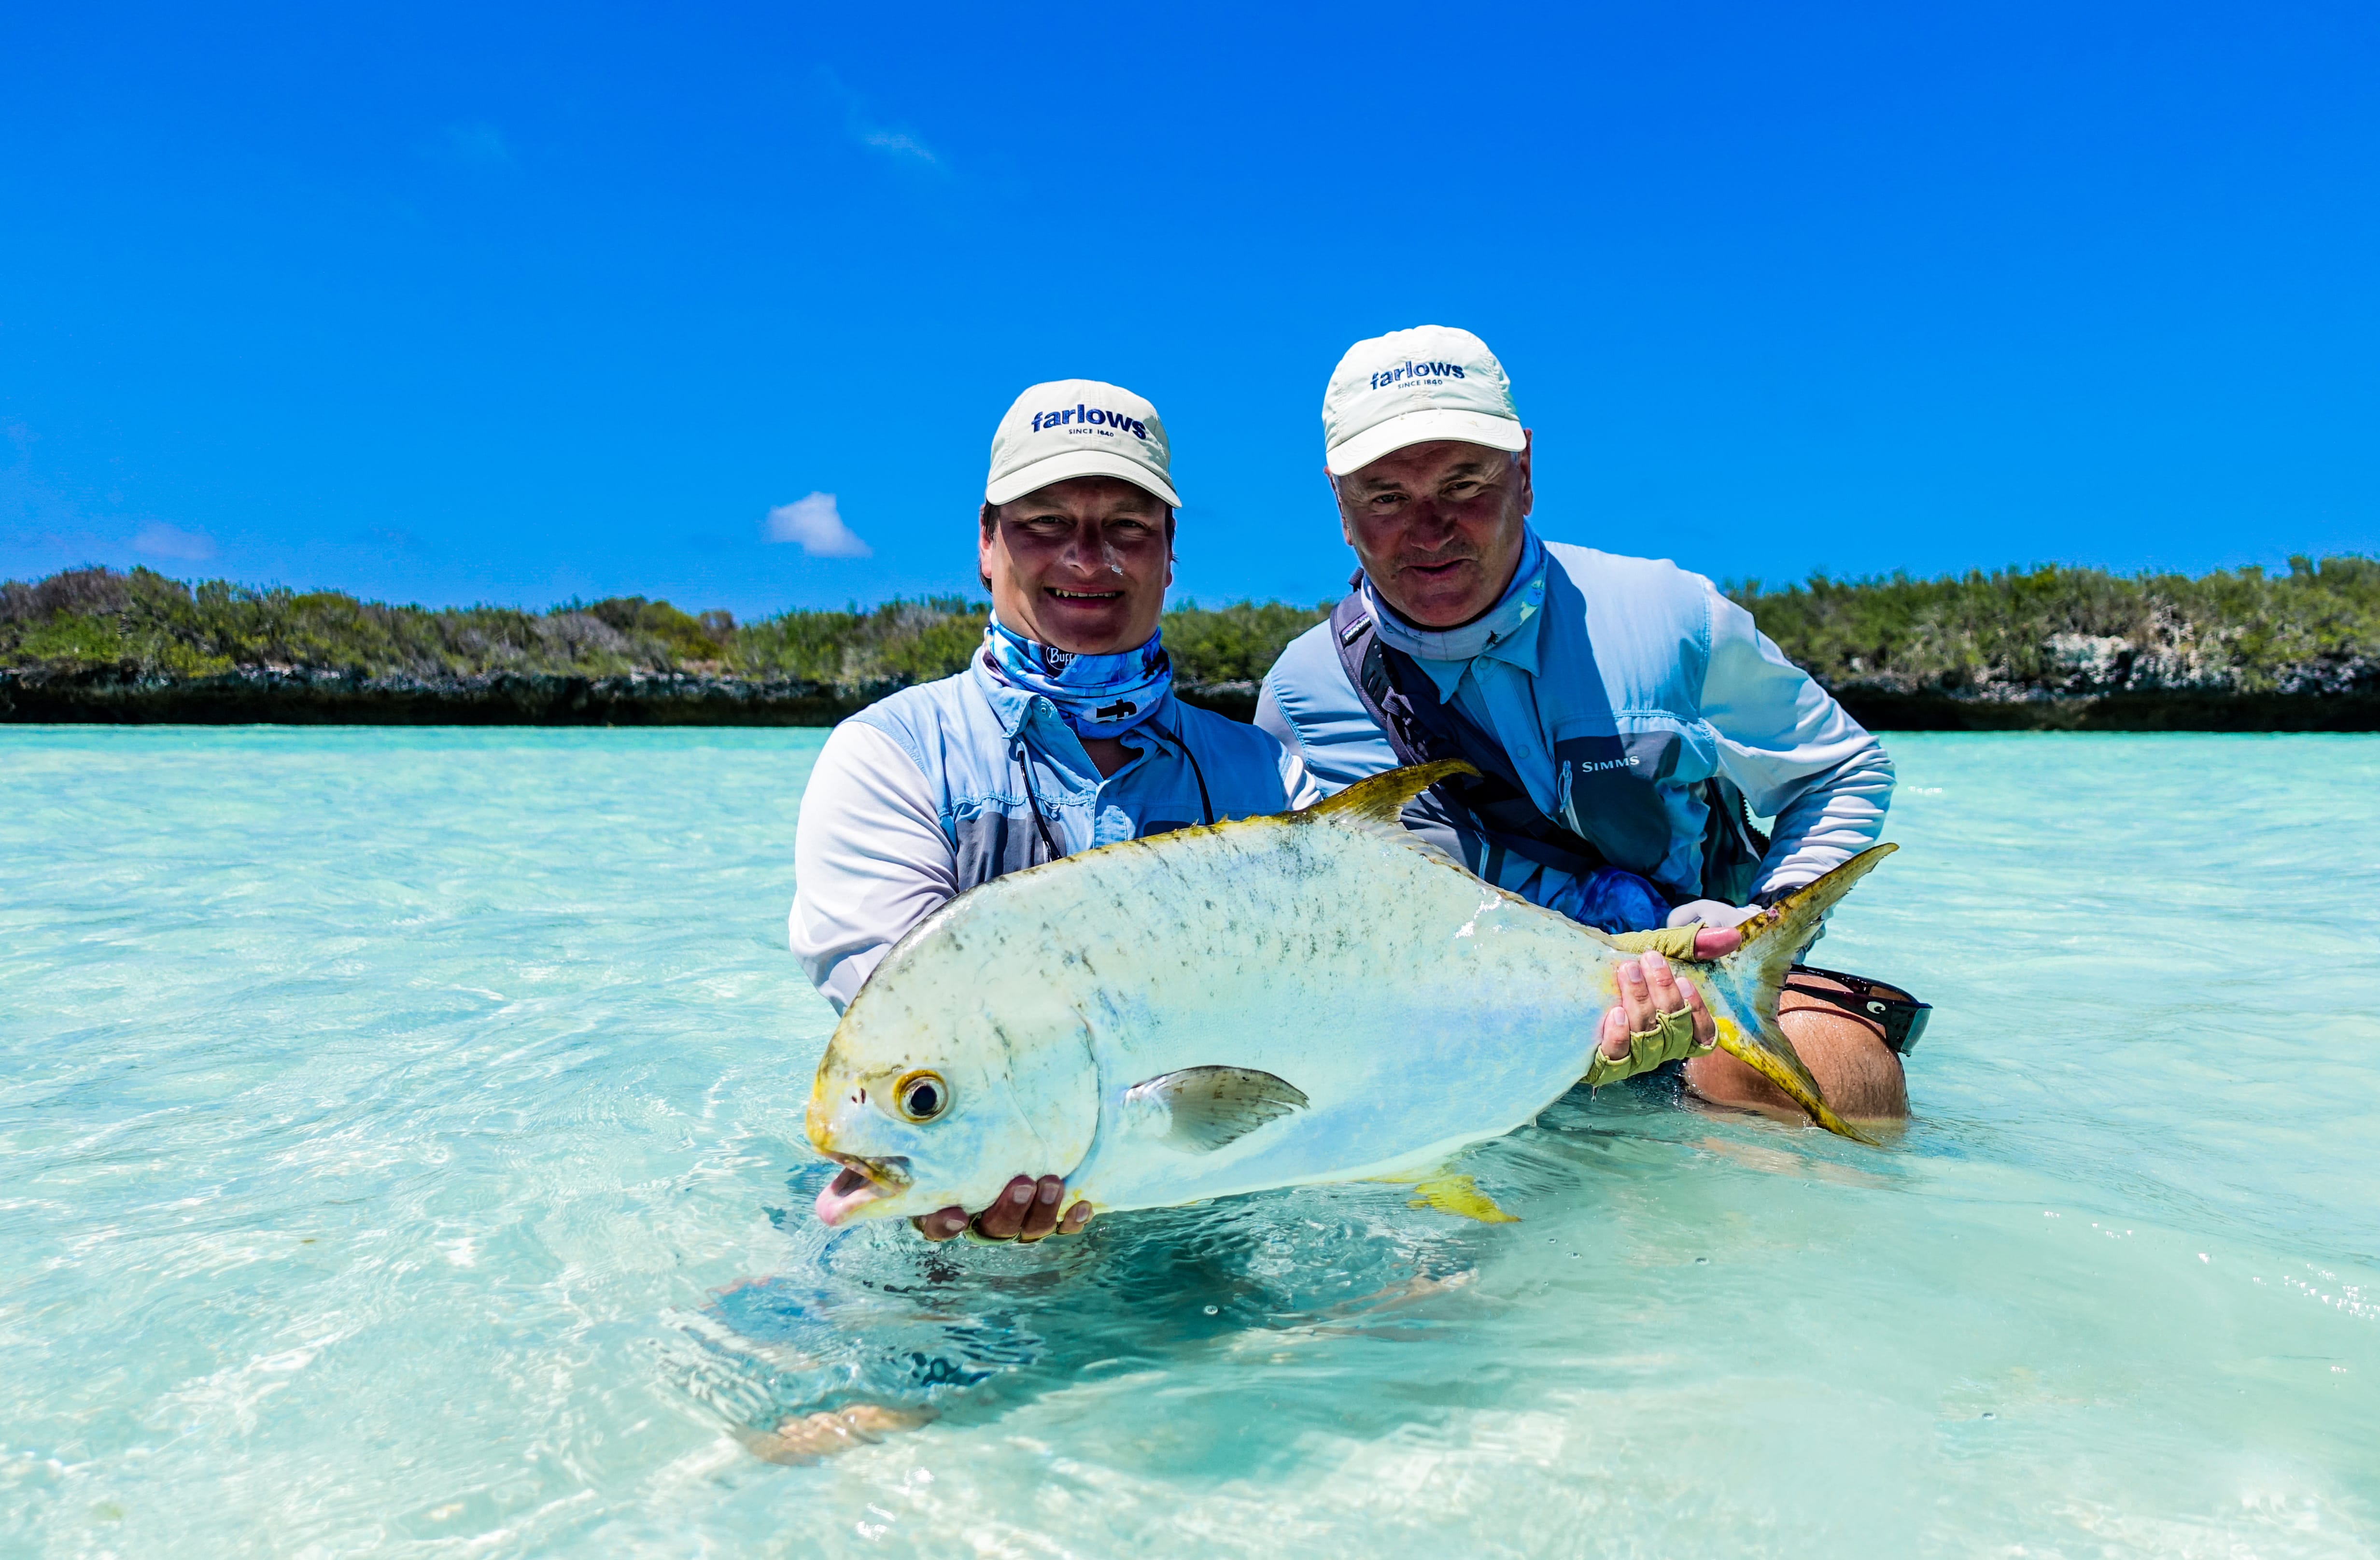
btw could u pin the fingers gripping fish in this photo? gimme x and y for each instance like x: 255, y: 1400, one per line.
x: 1318, y: 995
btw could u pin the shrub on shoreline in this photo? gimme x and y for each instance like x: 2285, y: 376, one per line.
x: 143, y: 625
x: 2016, y: 633
x: 2013, y: 633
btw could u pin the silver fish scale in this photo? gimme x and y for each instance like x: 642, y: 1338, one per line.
x: 1418, y: 1009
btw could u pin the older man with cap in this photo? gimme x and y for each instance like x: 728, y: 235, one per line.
x: 1627, y: 718
x: 1062, y: 733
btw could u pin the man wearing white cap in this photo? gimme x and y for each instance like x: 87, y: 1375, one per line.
x: 1621, y: 711
x: 1062, y: 733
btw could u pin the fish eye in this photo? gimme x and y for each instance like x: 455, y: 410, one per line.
x: 921, y: 1095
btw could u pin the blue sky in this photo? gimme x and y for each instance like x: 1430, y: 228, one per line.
x: 504, y: 303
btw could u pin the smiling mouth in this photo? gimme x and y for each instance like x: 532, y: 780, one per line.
x: 861, y: 1181
x: 1084, y: 595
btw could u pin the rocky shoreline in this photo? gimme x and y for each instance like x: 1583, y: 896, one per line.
x: 300, y: 697
x: 297, y: 697
x: 2141, y: 709
x: 2049, y: 648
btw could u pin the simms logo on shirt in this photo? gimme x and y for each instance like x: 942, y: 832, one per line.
x: 1590, y: 767
x: 1412, y: 370
x: 1089, y: 417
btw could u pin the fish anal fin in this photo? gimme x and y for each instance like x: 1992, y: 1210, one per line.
x: 1460, y: 1195
x: 1200, y: 1109
x: 1376, y: 804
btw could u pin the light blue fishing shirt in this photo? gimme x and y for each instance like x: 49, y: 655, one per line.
x: 933, y: 790
x: 1488, y: 668
x: 1680, y: 675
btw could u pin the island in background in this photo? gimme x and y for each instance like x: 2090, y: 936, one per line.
x: 2044, y: 649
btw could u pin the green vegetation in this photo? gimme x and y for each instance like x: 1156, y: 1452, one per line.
x: 2019, y: 633
x: 144, y: 626
x: 2005, y: 635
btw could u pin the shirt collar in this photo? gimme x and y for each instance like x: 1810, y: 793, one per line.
x: 1010, y: 707
x: 1520, y: 652
x: 1507, y: 632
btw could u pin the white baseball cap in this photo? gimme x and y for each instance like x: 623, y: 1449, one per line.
x: 1409, y: 387
x: 1078, y: 428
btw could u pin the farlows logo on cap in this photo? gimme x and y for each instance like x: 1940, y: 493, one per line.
x: 1409, y: 387
x: 1078, y: 428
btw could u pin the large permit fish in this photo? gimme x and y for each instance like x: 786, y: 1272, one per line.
x: 1316, y: 996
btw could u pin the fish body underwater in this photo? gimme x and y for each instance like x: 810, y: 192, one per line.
x: 1273, y: 1001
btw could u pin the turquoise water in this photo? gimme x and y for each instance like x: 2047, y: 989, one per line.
x: 400, y: 1152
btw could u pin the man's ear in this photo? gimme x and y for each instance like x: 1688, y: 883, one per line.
x: 989, y: 524
x: 1347, y: 531
x: 1529, y: 494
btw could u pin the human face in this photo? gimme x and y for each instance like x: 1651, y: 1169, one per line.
x: 1438, y: 527
x: 1081, y: 565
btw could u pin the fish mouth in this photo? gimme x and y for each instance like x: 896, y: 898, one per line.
x: 861, y: 1181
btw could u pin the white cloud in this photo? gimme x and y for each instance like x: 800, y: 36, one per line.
x: 813, y: 524
x: 897, y: 143
x: 161, y: 541
x: 866, y: 129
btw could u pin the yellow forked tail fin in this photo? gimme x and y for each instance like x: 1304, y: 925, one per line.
x: 1752, y: 978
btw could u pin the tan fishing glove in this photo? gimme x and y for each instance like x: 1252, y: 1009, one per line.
x: 1669, y: 942
x: 1671, y: 1038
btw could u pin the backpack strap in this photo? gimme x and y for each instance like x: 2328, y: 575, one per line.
x: 1421, y: 729
x: 1733, y: 846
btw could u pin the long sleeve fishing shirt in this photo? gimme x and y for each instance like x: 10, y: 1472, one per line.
x: 1672, y: 655
x: 949, y: 784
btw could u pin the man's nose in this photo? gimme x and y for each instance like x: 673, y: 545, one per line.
x: 1089, y: 552
x: 1428, y: 519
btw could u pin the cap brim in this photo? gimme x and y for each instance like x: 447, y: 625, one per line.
x: 1077, y: 463
x: 1420, y: 428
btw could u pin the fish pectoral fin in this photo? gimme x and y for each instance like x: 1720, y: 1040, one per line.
x: 1454, y: 1194
x: 1199, y: 1109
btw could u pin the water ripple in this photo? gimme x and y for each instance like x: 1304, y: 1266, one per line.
x: 400, y: 1150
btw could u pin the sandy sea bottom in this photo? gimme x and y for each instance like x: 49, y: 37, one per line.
x: 400, y: 1151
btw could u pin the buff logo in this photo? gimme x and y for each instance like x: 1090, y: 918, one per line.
x: 1089, y: 417
x: 1411, y: 371
x: 1586, y: 767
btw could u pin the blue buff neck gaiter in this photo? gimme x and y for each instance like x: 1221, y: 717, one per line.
x: 1096, y: 695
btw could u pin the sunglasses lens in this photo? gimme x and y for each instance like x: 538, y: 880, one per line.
x: 1904, y: 1028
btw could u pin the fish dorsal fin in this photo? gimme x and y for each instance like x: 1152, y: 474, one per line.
x: 1199, y: 1109
x: 1375, y: 805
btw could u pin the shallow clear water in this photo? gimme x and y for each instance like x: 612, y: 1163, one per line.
x: 400, y: 1150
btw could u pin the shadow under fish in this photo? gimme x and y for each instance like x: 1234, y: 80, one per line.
x: 877, y: 1331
